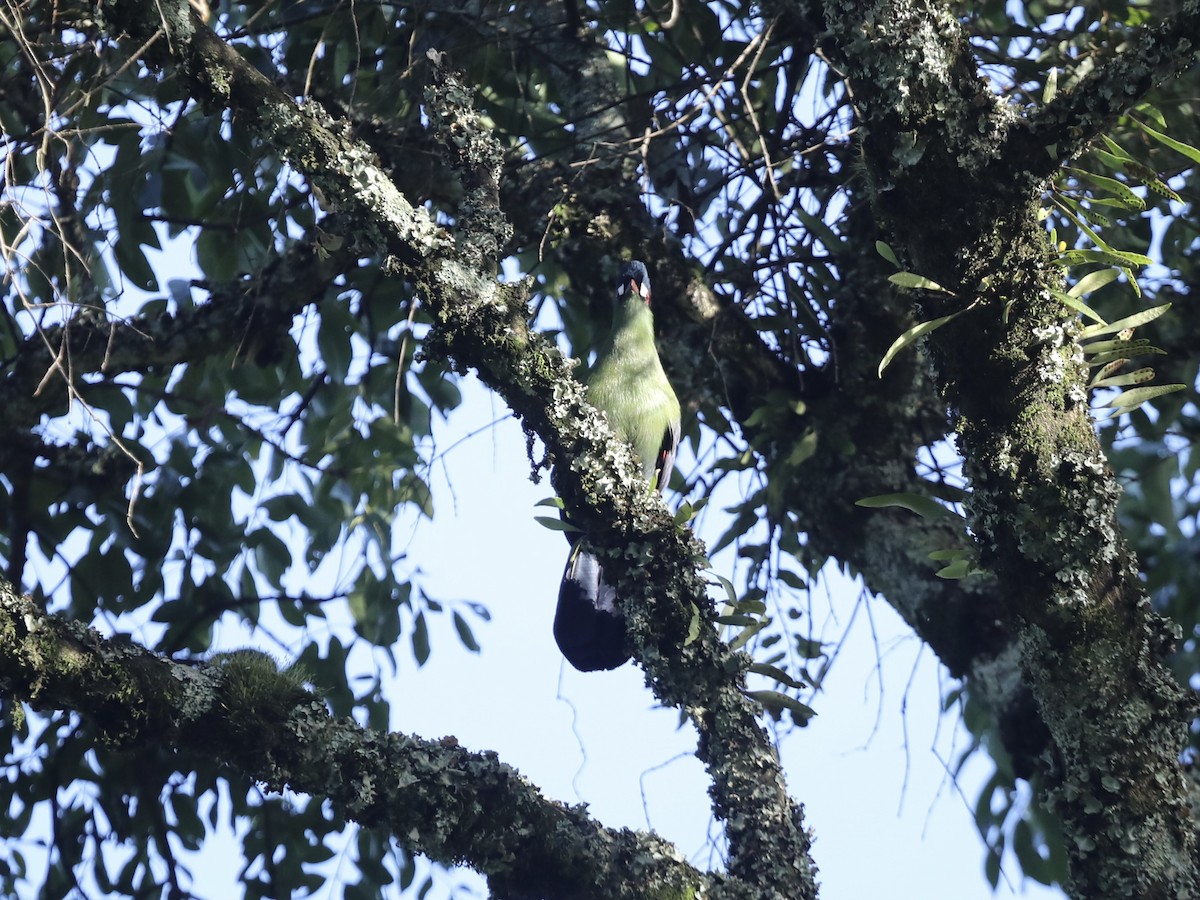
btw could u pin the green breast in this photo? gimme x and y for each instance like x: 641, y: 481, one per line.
x: 629, y: 386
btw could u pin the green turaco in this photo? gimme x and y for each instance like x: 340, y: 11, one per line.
x: 628, y: 385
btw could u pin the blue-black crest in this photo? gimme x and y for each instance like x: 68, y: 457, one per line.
x: 635, y: 271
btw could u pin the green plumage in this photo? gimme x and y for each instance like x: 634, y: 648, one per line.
x: 628, y: 384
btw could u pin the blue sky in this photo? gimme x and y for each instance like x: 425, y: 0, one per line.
x: 870, y: 768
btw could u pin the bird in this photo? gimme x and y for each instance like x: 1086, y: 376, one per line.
x: 627, y: 383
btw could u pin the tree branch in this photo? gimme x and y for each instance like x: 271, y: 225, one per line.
x: 249, y: 317
x: 435, y: 797
x: 483, y: 324
x: 1075, y: 118
x: 1090, y: 647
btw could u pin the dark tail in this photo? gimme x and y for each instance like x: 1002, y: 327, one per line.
x: 588, y: 627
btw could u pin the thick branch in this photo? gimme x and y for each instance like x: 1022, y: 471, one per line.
x: 483, y: 324
x: 1043, y: 502
x: 439, y: 798
x: 715, y: 356
x: 1079, y: 116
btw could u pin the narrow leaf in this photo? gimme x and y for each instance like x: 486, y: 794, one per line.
x: 1160, y: 187
x: 1178, y: 146
x: 817, y: 226
x: 727, y: 585
x: 736, y: 620
x: 1117, y: 150
x: 913, y: 280
x: 555, y: 524
x: 1050, y: 91
x: 1126, y: 348
x: 1093, y: 281
x: 748, y: 632
x: 693, y: 626
x: 775, y: 701
x: 1135, y: 397
x: 1141, y: 376
x: 1148, y: 109
x: 1111, y: 160
x: 420, y: 640
x: 1116, y: 188
x: 1120, y: 258
x: 684, y: 514
x: 465, y: 635
x: 923, y: 506
x: 913, y: 334
x: 950, y: 555
x: 1079, y: 306
x: 1138, y: 318
x: 1108, y: 369
x: 1115, y: 203
x: 777, y: 674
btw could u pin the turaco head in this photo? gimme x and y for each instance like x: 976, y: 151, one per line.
x: 634, y: 277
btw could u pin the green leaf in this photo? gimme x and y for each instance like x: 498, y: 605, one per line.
x: 1134, y: 398
x: 887, y: 253
x: 740, y: 621
x: 960, y: 568
x: 792, y: 580
x: 1111, y: 160
x: 912, y: 280
x: 555, y: 502
x: 727, y: 585
x: 1178, y: 146
x: 465, y: 635
x: 334, y: 332
x: 134, y: 265
x: 804, y: 448
x: 1123, y: 192
x: 1143, y: 348
x: 748, y: 632
x: 1136, y: 347
x: 1079, y: 306
x: 1161, y: 188
x: 774, y: 701
x: 420, y: 639
x: 693, y: 626
x: 1093, y: 281
x: 816, y: 226
x: 1141, y: 376
x: 950, y: 555
x: 777, y: 674
x: 1105, y: 257
x: 1050, y: 90
x: 913, y: 334
x: 1117, y: 150
x: 1138, y: 318
x: 923, y: 506
x: 555, y: 524
x: 752, y: 604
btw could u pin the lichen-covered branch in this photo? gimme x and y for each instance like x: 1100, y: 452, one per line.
x: 1090, y: 647
x: 867, y: 437
x: 439, y: 798
x: 482, y: 324
x: 1090, y: 108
